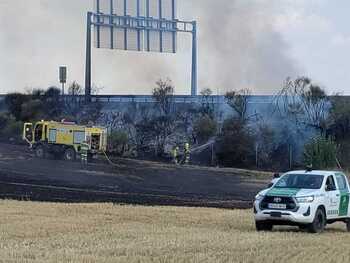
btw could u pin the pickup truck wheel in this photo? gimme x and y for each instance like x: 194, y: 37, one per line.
x: 263, y: 226
x: 319, y: 223
x: 40, y: 151
x: 69, y: 154
x: 303, y: 227
x: 348, y: 225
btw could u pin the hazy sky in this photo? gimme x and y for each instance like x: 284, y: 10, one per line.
x: 242, y: 43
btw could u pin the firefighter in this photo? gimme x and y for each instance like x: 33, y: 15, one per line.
x: 175, y: 154
x: 187, y: 153
x: 84, y: 149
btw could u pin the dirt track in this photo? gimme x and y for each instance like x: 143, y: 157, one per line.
x: 22, y: 176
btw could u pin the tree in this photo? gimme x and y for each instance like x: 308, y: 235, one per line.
x: 321, y: 153
x: 4, y: 118
x: 33, y: 110
x: 144, y: 134
x: 163, y: 124
x: 10, y: 128
x: 205, y: 128
x: 163, y: 94
x: 36, y: 94
x: 75, y: 89
x: 339, y: 128
x: 162, y: 127
x: 117, y: 142
x: 304, y: 102
x: 14, y: 103
x: 207, y: 107
x: 339, y: 117
x: 52, y: 103
x: 236, y: 144
x: 265, y: 143
x: 238, y: 101
x: 89, y: 113
x: 74, y: 103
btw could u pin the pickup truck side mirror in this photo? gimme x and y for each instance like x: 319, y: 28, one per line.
x: 276, y: 175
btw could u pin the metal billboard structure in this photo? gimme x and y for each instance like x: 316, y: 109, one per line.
x: 137, y: 25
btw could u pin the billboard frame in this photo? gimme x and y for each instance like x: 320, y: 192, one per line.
x: 142, y: 24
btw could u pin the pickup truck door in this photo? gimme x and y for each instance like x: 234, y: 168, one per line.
x: 332, y: 198
x: 344, y: 194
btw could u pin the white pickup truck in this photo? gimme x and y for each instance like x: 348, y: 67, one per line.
x: 308, y: 199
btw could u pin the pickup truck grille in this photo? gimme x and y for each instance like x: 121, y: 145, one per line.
x: 288, y: 201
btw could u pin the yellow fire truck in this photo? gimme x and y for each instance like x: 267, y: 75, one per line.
x: 63, y: 139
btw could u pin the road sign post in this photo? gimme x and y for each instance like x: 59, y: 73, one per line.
x: 137, y: 25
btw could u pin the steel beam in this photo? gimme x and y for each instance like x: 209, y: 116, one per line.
x: 194, y: 60
x: 88, y: 59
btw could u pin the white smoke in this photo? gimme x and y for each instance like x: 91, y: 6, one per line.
x: 238, y: 48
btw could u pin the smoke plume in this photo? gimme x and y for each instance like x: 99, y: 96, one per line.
x: 239, y: 47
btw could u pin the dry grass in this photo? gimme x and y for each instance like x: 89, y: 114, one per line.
x: 35, y: 232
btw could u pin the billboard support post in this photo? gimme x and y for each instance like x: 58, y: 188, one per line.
x: 194, y: 60
x: 88, y: 59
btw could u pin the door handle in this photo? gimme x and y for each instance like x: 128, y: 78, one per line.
x: 338, y: 195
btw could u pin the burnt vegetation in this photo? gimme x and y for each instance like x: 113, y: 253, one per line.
x: 241, y: 138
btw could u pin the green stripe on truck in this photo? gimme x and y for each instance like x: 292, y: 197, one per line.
x: 285, y: 192
x: 344, y: 203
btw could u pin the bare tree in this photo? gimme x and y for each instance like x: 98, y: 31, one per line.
x: 75, y: 107
x: 304, y: 102
x: 75, y: 89
x: 96, y: 90
x: 163, y: 125
x: 163, y: 93
x: 206, y: 92
x: 207, y: 107
x: 238, y: 101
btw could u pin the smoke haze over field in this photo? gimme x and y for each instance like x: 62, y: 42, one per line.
x: 242, y: 43
x: 240, y: 47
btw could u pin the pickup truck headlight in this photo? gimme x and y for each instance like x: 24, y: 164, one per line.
x: 259, y: 197
x: 305, y: 199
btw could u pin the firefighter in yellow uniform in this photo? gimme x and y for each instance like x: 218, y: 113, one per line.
x: 175, y: 154
x: 187, y: 153
x: 84, y: 149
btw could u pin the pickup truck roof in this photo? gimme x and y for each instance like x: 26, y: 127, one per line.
x: 318, y: 172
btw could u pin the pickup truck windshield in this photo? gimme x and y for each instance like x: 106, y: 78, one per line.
x: 300, y: 181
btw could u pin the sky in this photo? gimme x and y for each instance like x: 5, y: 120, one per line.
x: 253, y: 44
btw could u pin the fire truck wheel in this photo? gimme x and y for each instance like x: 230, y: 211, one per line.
x: 69, y: 154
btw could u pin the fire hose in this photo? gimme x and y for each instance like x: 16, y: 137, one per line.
x: 109, y: 159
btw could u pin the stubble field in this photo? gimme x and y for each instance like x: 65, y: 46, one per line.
x: 46, y: 232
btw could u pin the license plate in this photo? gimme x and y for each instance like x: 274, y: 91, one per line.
x: 276, y: 214
x: 277, y: 206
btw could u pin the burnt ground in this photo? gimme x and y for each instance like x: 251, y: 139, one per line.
x: 24, y: 177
